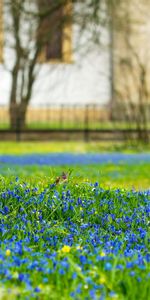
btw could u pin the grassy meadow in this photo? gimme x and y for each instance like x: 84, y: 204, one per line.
x: 74, y: 231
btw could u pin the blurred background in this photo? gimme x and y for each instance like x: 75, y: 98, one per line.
x: 75, y: 70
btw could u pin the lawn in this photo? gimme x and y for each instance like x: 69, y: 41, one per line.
x: 71, y: 146
x: 135, y: 176
x: 80, y: 123
x: 74, y: 230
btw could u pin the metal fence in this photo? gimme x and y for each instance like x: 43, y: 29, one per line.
x: 63, y: 116
x: 90, y: 121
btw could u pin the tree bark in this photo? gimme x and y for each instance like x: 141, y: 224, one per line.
x: 17, y: 116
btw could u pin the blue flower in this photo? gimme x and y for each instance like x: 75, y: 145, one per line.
x: 108, y: 266
x: 132, y: 273
x: 74, y: 275
x: 21, y: 277
x: 92, y: 293
x: 83, y: 259
x: 37, y: 290
x: 6, y: 210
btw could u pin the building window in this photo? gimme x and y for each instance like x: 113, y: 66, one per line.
x: 1, y: 31
x: 55, y: 32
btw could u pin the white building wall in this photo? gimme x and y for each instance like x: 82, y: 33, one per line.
x: 86, y: 80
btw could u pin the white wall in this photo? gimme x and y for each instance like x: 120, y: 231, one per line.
x: 86, y: 80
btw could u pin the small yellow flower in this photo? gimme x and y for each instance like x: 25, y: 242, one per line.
x: 86, y: 286
x: 102, y: 254
x: 8, y: 252
x: 79, y: 248
x: 65, y: 249
x: 93, y: 271
x: 81, y: 209
x: 102, y: 279
x: 41, y: 286
x: 15, y: 275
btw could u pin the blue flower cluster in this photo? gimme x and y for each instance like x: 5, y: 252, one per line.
x: 73, y: 159
x: 74, y: 242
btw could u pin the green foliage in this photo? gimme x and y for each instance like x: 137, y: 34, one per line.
x: 73, y: 241
x: 108, y: 175
x: 12, y: 147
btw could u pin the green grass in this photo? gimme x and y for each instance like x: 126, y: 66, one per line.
x: 70, y: 146
x: 82, y: 125
x: 76, y: 124
x: 72, y: 241
x: 108, y: 175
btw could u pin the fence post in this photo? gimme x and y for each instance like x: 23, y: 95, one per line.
x: 86, y: 123
x: 61, y: 119
x: 18, y: 129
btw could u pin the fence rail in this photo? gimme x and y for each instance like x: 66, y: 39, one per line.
x: 63, y: 122
x: 60, y: 116
x: 70, y: 134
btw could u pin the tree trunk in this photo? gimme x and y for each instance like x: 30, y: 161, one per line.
x: 17, y: 116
